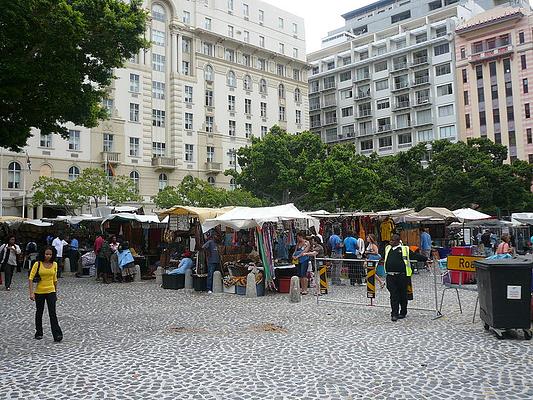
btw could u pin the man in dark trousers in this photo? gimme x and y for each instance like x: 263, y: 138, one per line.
x: 398, y: 269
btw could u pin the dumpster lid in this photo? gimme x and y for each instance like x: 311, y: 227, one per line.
x: 517, y: 262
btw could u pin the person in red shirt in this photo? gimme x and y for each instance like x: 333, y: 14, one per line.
x: 97, y: 246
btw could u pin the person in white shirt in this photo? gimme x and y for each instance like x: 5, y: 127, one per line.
x: 8, y: 259
x: 58, y: 243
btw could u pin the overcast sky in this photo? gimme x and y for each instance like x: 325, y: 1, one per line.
x: 320, y: 16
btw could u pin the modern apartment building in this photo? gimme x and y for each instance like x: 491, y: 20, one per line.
x: 218, y: 72
x: 494, y: 52
x: 385, y: 81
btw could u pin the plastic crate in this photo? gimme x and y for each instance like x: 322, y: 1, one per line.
x: 173, y: 281
x: 284, y: 285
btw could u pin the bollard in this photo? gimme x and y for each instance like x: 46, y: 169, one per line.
x: 159, y: 275
x: 295, y: 295
x: 137, y: 277
x: 188, y: 279
x: 217, y: 282
x: 66, y: 267
x: 251, y: 288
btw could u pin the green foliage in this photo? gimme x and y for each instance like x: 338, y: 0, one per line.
x: 57, y: 192
x: 198, y: 193
x: 58, y: 58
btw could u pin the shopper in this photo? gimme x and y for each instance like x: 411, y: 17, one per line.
x: 302, y: 259
x: 350, y: 253
x: 505, y: 246
x: 113, y: 259
x: 335, y: 244
x: 185, y: 264
x: 213, y: 259
x: 74, y: 254
x: 486, y: 241
x: 104, y: 261
x: 45, y: 291
x: 58, y: 243
x: 126, y: 262
x: 425, y: 242
x: 8, y: 259
x: 372, y: 254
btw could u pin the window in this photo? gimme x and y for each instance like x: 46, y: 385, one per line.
x: 465, y: 75
x: 229, y: 55
x: 45, y: 140
x: 261, y: 16
x: 443, y: 69
x: 383, y: 104
x: 496, y: 115
x: 210, y: 154
x: 185, y: 68
x: 281, y: 23
x: 186, y: 45
x: 230, y: 5
x: 298, y: 117
x: 158, y: 149
x: 207, y: 49
x: 188, y: 121
x: 345, y: 76
x: 134, y: 176
x: 211, y: 181
x: 466, y: 98
x: 247, y: 60
x: 73, y: 140
x: 158, y: 37
x: 444, y: 90
x: 525, y: 85
x: 435, y: 5
x: 246, y: 36
x: 282, y: 116
x: 261, y: 41
x: 423, y: 117
x: 367, y: 145
x: 441, y: 31
x: 231, y: 79
x: 134, y: 112
x: 421, y: 38
x: 209, y: 98
x: 261, y: 64
x: 281, y: 70
x: 382, y: 84
x: 441, y: 49
x: 523, y: 62
x: 447, y: 132
x: 294, y: 52
x: 231, y: 103
x: 262, y: 86
x: 463, y: 53
x: 494, y: 92
x: 158, y: 90
x: 108, y: 142
x: 231, y: 130
x: 247, y: 82
x: 446, y: 111
x: 527, y: 110
x: 297, y: 95
x: 521, y: 37
x: 477, y: 47
x: 134, y: 147
x: 158, y: 13
x: 281, y: 91
x: 188, y: 94
x: 189, y: 152
x: 186, y: 19
x: 507, y: 66
x: 207, y: 24
x: 492, y: 69
x: 158, y: 118
x: 230, y: 31
x: 529, y: 136
x: 208, y: 73
x: 380, y: 66
x: 405, y: 138
x: 508, y: 89
x: 348, y: 130
x: 480, y: 95
x: 107, y: 104
x: 158, y: 62
x: 385, y: 142
x: 467, y: 121
x: 73, y: 173
x: 346, y: 94
x: 479, y: 72
x: 425, y: 135
x: 162, y: 181
x: 294, y: 29
x: 401, y: 16
x: 264, y: 131
x: 209, y: 122
x: 347, y: 112
x: 248, y: 130
x: 247, y: 106
x: 482, y: 118
x: 134, y: 83
x: 263, y: 110
x: 245, y: 10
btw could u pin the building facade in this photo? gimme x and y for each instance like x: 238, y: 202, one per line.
x: 494, y: 52
x: 218, y: 72
x: 391, y: 83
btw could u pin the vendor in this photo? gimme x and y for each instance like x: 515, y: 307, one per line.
x: 185, y: 264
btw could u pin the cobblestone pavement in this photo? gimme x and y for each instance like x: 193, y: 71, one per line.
x: 138, y: 341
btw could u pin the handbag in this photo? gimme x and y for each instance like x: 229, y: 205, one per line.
x: 37, y: 277
x: 4, y: 257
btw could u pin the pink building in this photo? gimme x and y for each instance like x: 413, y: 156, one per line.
x: 494, y: 53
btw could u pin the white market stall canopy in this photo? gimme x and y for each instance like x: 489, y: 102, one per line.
x: 523, y: 218
x: 468, y: 214
x: 202, y: 213
x: 143, y: 219
x: 248, y: 217
x: 439, y: 213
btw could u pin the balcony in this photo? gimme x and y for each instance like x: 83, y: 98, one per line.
x: 401, y: 105
x: 384, y: 128
x: 213, y: 168
x: 417, y: 61
x: 423, y: 80
x: 362, y: 95
x: 313, y: 89
x: 364, y: 114
x: 330, y: 121
x: 400, y: 86
x: 362, y: 77
x: 422, y: 102
x: 423, y: 122
x: 365, y: 132
x: 314, y: 106
x: 328, y: 104
x: 408, y: 125
x: 399, y: 66
x: 160, y: 162
x: 490, y: 54
x: 329, y: 85
x: 316, y: 124
x: 110, y: 157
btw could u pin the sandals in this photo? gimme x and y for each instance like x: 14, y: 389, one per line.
x: 304, y: 293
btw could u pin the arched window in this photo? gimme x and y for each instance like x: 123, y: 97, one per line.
x: 134, y: 176
x: 232, y: 81
x: 13, y: 175
x: 247, y: 82
x: 208, y: 73
x: 211, y: 180
x: 297, y: 95
x: 263, y: 86
x: 281, y: 91
x: 233, y: 184
x: 158, y: 12
x: 163, y: 181
x: 73, y: 173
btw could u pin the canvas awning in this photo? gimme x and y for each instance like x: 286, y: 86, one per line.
x: 523, y: 218
x: 440, y: 213
x: 248, y: 217
x: 143, y: 219
x: 468, y: 214
x: 202, y: 213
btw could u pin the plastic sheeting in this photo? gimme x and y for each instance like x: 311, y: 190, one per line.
x: 468, y: 214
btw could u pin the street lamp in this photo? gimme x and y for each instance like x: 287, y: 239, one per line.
x: 427, y: 156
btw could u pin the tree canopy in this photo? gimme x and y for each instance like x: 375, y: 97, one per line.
x: 57, y: 59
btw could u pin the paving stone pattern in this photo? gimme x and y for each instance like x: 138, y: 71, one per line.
x: 138, y: 341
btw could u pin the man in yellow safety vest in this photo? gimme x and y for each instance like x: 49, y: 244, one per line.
x: 398, y: 268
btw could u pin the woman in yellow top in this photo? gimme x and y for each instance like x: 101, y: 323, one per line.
x: 45, y: 291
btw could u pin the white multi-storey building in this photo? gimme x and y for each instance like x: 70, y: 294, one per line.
x: 218, y: 72
x: 386, y: 80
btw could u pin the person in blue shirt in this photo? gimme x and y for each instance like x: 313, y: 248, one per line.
x: 300, y: 255
x: 185, y: 264
x: 335, y: 244
x: 425, y: 242
x: 213, y: 259
x: 351, y: 251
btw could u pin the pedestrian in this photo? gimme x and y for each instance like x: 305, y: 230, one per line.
x: 58, y: 243
x: 45, y: 291
x: 104, y: 263
x: 98, y: 242
x: 372, y: 254
x: 425, y: 242
x: 113, y: 259
x: 350, y: 253
x: 398, y: 269
x: 302, y: 259
x: 74, y: 254
x: 505, y: 246
x: 213, y: 259
x: 126, y: 262
x: 486, y: 241
x: 335, y: 244
x: 8, y: 259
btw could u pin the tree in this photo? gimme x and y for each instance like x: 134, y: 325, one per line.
x: 57, y: 60
x: 121, y: 190
x: 199, y: 193
x: 57, y: 192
